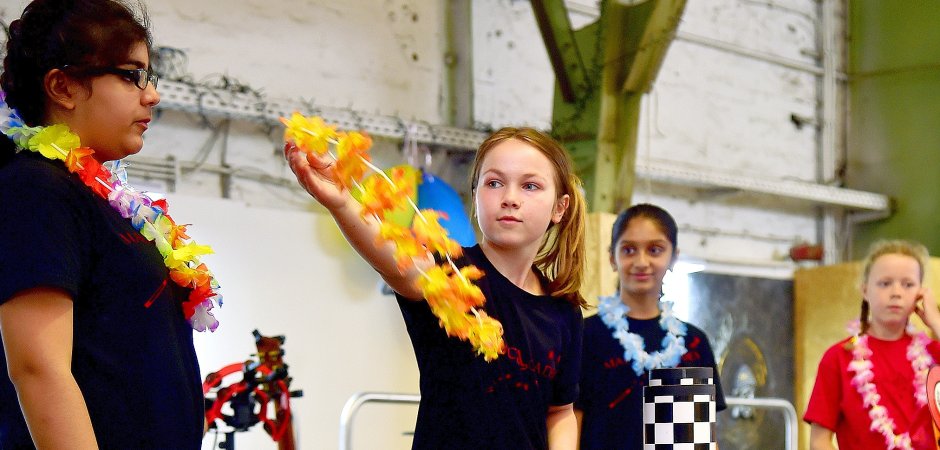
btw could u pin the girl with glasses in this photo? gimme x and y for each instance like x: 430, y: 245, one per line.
x: 95, y: 341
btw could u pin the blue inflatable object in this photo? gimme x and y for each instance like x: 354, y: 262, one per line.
x: 434, y: 193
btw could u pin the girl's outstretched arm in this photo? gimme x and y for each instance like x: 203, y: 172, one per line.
x: 562, y: 427
x: 36, y: 326
x: 314, y: 173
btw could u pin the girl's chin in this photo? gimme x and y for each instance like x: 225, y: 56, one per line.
x: 129, y: 150
x: 642, y: 292
x: 898, y: 320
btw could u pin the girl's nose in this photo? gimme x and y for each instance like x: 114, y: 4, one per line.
x: 510, y: 201
x: 150, y: 95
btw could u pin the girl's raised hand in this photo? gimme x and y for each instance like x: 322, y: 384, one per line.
x: 315, y: 174
x: 926, y: 309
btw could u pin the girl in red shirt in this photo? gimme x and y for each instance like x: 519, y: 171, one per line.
x: 870, y: 388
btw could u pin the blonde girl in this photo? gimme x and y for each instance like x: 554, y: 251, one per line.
x: 530, y: 210
x: 870, y: 388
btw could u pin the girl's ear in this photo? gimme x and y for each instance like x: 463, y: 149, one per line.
x: 60, y: 89
x: 675, y: 257
x: 560, y: 207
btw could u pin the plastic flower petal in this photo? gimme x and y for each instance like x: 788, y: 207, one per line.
x: 186, y: 253
x: 196, y: 309
x: 353, y: 142
x: 202, y: 319
x: 54, y: 142
x: 185, y: 276
x: 379, y: 197
x: 352, y: 154
x: 96, y: 177
x: 310, y: 134
x: 379, y: 201
x: 432, y: 235
x: 406, y: 248
x: 78, y: 158
x: 487, y: 338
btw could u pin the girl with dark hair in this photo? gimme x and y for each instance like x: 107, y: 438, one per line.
x: 530, y: 210
x: 870, y: 388
x: 94, y: 327
x: 634, y: 332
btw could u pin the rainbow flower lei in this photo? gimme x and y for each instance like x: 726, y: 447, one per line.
x: 613, y: 313
x: 147, y: 216
x: 449, y: 290
x: 861, y: 365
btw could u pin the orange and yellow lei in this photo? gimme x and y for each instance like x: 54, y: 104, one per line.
x: 449, y: 290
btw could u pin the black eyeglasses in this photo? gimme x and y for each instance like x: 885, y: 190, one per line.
x: 140, y: 77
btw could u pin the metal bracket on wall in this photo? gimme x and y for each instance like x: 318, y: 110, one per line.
x: 217, y: 102
x: 672, y: 173
x: 221, y: 103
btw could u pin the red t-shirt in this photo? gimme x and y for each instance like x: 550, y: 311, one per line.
x: 837, y: 405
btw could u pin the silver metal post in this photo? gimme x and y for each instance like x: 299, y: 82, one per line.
x: 360, y: 398
x: 789, y: 414
x: 357, y: 400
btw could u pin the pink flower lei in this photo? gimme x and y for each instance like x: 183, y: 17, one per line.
x: 861, y: 365
x: 148, y: 216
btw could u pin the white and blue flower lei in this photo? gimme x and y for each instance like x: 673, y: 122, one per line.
x: 614, y: 314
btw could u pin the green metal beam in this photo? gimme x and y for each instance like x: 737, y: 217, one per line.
x: 563, y: 52
x: 621, y: 55
x: 645, y: 32
x: 635, y: 45
x: 458, y: 61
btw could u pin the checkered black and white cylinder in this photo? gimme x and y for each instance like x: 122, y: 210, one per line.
x: 681, y: 376
x: 679, y: 416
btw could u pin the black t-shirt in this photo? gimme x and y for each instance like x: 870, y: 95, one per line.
x: 132, y: 355
x: 467, y: 402
x: 612, y: 393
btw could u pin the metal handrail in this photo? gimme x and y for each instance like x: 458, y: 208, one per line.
x: 789, y: 414
x: 358, y: 399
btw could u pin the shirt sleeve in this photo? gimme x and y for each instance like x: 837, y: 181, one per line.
x: 708, y: 359
x: 586, y: 382
x: 569, y: 369
x: 43, y: 231
x: 823, y: 408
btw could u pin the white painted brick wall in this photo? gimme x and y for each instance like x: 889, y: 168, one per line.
x: 365, y: 54
x: 709, y: 109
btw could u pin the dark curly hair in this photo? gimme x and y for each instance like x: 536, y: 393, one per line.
x: 51, y: 34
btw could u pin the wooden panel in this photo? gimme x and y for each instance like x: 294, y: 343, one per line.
x: 599, y: 278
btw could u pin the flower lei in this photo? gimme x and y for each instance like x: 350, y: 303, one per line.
x: 147, y: 216
x: 614, y: 314
x: 449, y: 290
x: 861, y: 365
